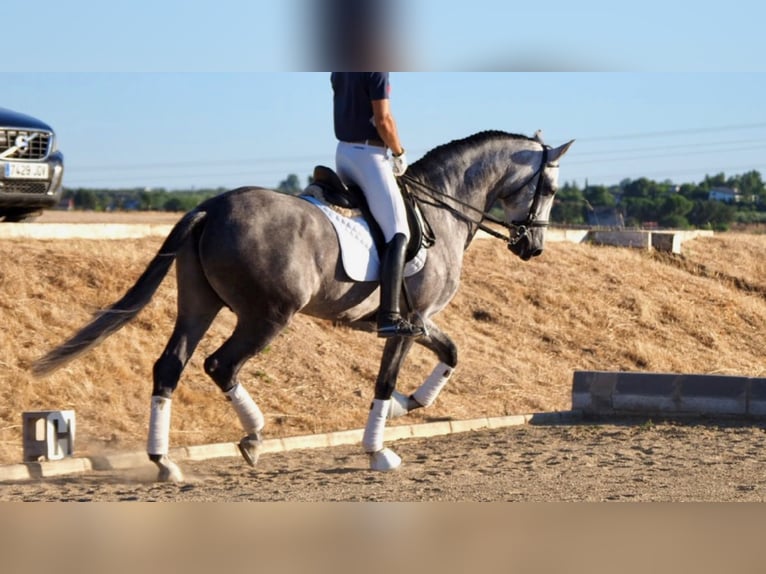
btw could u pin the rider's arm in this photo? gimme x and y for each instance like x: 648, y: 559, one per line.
x: 386, y: 125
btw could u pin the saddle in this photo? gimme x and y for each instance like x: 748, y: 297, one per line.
x: 328, y: 188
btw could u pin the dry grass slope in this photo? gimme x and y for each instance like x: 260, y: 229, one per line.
x: 522, y: 328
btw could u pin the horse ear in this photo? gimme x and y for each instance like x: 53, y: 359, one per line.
x: 556, y: 154
x: 539, y: 136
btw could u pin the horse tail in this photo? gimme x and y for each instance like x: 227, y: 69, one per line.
x: 111, y: 320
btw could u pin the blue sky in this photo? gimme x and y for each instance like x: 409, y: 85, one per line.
x: 434, y: 35
x: 181, y: 94
x: 182, y: 130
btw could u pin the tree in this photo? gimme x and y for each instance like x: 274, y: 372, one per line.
x: 86, y: 199
x: 291, y: 185
x: 637, y: 210
x: 568, y: 206
x: 694, y: 192
x: 712, y: 215
x: 673, y: 210
x: 718, y: 180
x: 599, y: 196
x: 750, y: 185
x: 644, y: 188
x: 174, y: 204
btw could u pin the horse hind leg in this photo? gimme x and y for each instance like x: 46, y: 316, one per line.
x: 198, y: 305
x: 224, y: 365
x: 167, y: 371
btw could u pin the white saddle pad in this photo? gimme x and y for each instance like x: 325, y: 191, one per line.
x: 360, y: 258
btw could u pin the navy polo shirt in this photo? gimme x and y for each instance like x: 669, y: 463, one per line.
x: 352, y: 103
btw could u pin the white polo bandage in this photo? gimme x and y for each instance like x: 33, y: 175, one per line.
x: 372, y: 441
x: 430, y: 389
x: 250, y: 416
x: 159, y: 426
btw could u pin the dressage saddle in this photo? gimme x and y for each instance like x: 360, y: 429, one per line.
x: 337, y: 194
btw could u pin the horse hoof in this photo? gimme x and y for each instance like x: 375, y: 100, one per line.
x: 169, y: 471
x: 384, y: 460
x: 250, y: 447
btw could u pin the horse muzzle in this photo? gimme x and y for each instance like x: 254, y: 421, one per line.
x: 526, y: 246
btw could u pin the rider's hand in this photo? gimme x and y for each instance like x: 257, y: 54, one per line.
x: 399, y: 163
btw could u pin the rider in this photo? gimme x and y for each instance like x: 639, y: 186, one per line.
x: 366, y: 130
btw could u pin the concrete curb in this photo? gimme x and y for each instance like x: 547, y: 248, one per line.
x: 667, y: 394
x: 83, y: 230
x: 133, y: 460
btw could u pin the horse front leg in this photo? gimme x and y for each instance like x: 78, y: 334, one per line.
x: 425, y: 395
x: 394, y: 353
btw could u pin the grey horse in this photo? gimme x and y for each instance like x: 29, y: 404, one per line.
x: 267, y: 256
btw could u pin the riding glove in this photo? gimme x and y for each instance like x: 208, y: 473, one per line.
x: 399, y: 163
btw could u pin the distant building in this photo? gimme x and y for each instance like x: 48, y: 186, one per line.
x: 724, y: 194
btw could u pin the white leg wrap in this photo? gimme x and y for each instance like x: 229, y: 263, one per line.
x: 372, y: 441
x: 247, y: 411
x: 399, y: 405
x: 429, y: 390
x: 159, y: 426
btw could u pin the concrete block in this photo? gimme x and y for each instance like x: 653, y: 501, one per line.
x: 592, y: 391
x: 667, y: 241
x: 714, y: 394
x: 83, y: 230
x: 757, y: 398
x: 606, y: 393
x: 121, y: 461
x: 431, y: 429
x: 301, y: 442
x: 207, y: 451
x: 554, y: 235
x: 623, y: 238
x: 342, y: 438
x: 469, y: 425
x: 509, y: 421
x: 271, y: 445
x: 398, y: 432
x: 13, y: 472
x: 64, y: 466
x: 646, y: 392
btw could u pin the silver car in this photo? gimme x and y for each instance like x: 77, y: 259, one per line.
x: 31, y: 167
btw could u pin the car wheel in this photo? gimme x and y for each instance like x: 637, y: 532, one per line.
x: 22, y: 215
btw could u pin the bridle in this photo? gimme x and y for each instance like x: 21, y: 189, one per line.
x: 518, y: 229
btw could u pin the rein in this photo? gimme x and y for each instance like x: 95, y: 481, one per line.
x: 518, y: 229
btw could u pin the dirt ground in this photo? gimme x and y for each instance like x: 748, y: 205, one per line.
x: 522, y: 328
x: 622, y: 461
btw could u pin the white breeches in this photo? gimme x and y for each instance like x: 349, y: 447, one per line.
x: 368, y: 167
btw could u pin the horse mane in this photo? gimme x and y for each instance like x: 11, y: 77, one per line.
x: 442, y: 153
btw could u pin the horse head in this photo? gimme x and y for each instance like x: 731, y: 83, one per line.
x: 527, y: 210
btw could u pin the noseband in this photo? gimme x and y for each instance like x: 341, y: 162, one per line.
x: 518, y: 230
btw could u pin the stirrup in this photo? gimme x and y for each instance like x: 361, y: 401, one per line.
x: 400, y: 328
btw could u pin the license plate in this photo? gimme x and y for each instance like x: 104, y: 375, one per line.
x: 26, y: 170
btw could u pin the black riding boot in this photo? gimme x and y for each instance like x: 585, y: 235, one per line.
x: 390, y: 320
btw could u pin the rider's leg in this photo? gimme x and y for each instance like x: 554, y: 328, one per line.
x: 369, y: 168
x: 390, y: 320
